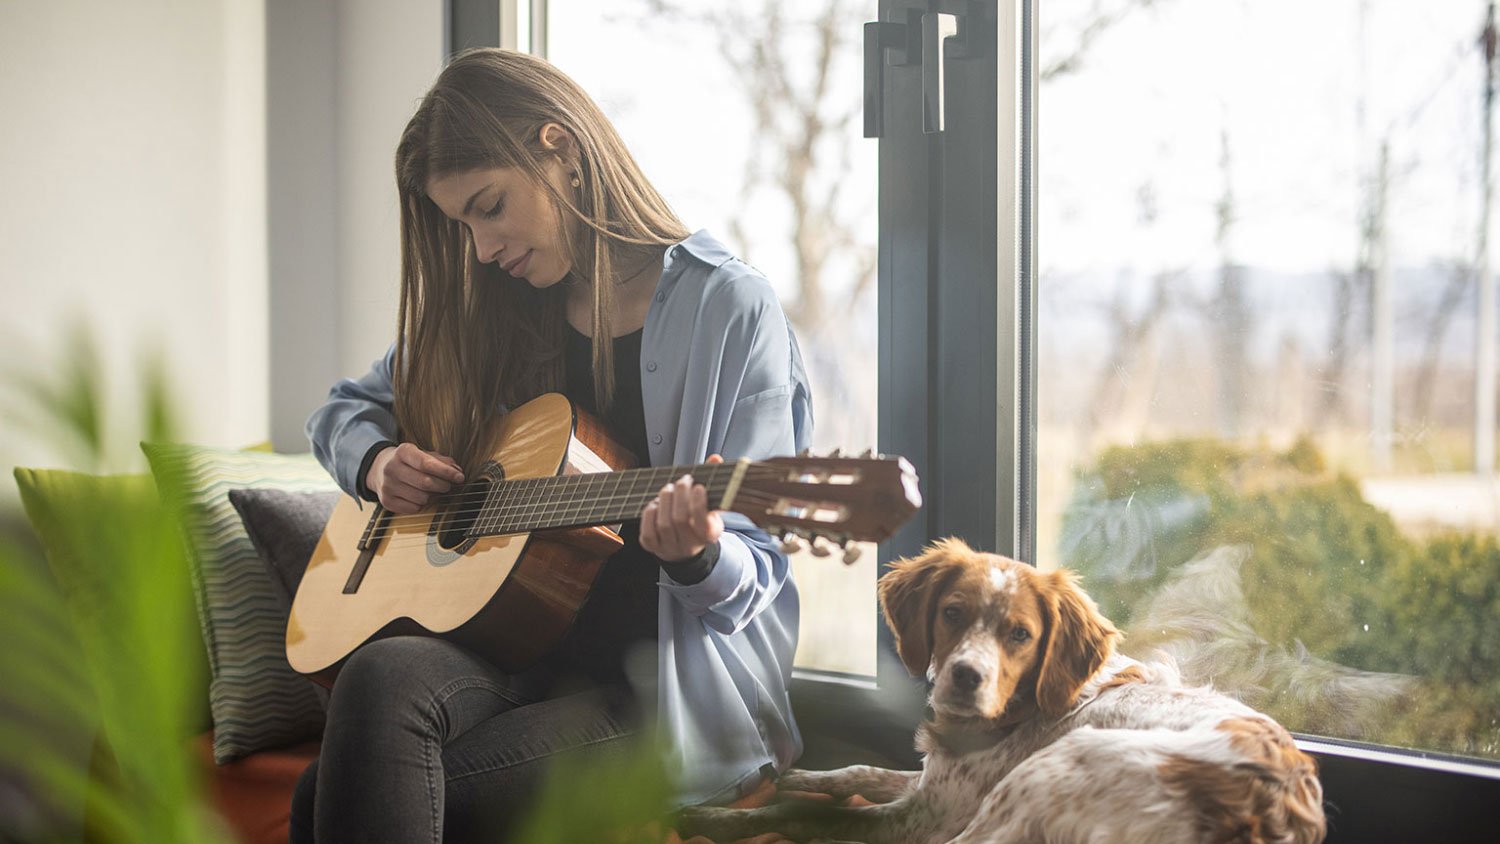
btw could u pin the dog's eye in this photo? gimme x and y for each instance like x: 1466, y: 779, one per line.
x: 1019, y: 634
x: 952, y: 613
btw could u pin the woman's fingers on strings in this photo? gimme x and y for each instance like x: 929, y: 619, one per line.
x: 648, y: 527
x: 666, y: 528
x: 438, y: 470
x: 698, y: 511
x: 682, y: 507
x: 418, y: 476
x: 398, y: 505
x: 685, y: 495
x: 438, y: 466
x: 449, y: 468
x: 425, y: 483
x: 413, y: 495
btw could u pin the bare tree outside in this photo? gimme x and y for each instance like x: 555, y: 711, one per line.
x: 1267, y: 468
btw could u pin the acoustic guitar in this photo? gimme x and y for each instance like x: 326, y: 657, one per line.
x: 502, y: 563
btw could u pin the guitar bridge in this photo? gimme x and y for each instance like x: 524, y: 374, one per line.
x: 375, y: 531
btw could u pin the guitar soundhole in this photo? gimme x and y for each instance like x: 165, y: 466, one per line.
x: 459, y: 510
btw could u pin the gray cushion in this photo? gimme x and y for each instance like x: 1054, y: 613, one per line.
x: 285, y: 528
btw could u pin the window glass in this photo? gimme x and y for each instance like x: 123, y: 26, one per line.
x: 746, y: 116
x: 1260, y: 232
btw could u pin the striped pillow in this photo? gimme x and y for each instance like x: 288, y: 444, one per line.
x: 257, y: 700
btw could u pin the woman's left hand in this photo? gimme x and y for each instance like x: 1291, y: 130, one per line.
x: 677, y: 525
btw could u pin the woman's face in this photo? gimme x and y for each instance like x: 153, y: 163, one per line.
x: 513, y: 222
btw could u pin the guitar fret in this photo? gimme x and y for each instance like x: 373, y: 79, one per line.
x: 587, y: 499
x: 481, y: 519
x: 550, y: 499
x: 512, y: 493
x: 584, y: 509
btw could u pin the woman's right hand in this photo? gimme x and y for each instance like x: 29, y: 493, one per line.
x: 404, y: 477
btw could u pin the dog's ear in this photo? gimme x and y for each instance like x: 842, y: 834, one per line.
x: 908, y: 598
x: 1079, y: 640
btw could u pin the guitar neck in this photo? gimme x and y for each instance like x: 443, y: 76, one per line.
x: 601, y: 498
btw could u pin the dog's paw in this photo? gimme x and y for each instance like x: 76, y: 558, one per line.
x: 797, y: 779
x: 710, y: 822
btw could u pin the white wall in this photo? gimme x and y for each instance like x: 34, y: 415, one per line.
x: 390, y: 53
x: 213, y: 178
x: 345, y: 77
x: 133, y: 163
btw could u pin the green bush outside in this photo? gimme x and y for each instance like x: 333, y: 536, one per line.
x: 1327, y: 578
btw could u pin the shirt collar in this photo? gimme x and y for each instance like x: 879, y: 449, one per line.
x: 705, y: 247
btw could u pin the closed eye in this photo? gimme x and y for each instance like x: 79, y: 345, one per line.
x: 494, y: 212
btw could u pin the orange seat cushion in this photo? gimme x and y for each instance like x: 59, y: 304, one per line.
x: 254, y: 794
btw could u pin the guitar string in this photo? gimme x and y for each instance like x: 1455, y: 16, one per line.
x: 589, y: 510
x: 550, y: 498
x: 670, y: 473
x: 570, y: 484
x: 410, y: 540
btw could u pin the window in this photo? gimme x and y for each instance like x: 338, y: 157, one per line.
x: 1256, y: 367
x: 747, y: 137
x: 1202, y: 199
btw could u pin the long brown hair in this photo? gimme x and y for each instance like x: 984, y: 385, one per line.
x: 469, y: 336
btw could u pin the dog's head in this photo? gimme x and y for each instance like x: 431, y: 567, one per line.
x: 992, y: 633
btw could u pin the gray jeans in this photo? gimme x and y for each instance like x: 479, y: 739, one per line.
x: 426, y: 742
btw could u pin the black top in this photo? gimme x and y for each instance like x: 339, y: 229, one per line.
x: 621, y: 609
x: 626, y: 419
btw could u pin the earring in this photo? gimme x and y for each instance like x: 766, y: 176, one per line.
x: 576, y: 181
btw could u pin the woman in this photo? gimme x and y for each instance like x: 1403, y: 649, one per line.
x: 536, y: 257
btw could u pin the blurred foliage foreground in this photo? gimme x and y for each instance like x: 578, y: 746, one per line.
x: 1268, y: 575
x: 101, y: 683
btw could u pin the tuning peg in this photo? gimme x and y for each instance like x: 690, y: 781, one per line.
x: 806, y: 452
x: 868, y: 453
x: 819, y: 549
x: 851, y: 552
x: 791, y: 543
x: 836, y: 454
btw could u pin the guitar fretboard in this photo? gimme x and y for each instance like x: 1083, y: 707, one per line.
x: 590, y: 499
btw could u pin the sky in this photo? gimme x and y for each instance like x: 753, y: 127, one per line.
x: 1280, y: 81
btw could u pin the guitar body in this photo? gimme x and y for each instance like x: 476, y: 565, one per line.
x: 509, y: 597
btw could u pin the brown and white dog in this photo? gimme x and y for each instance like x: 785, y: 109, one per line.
x: 1041, y: 733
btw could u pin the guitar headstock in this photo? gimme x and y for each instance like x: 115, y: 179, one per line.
x: 840, y: 499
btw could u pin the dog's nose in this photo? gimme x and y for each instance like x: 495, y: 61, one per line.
x: 964, y: 676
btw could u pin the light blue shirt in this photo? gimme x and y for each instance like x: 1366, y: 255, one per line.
x: 720, y: 374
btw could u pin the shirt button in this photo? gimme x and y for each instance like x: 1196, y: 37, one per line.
x: 651, y: 366
x: 661, y: 297
x: 656, y: 438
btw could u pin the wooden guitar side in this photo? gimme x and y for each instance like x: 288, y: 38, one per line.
x: 509, y: 598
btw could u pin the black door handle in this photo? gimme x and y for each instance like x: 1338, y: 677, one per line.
x: 879, y: 37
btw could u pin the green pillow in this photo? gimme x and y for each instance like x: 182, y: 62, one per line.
x: 258, y: 701
x: 66, y: 510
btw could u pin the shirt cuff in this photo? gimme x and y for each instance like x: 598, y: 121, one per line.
x: 695, y: 568
x: 732, y: 574
x: 364, y: 469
